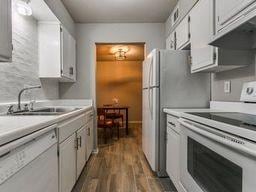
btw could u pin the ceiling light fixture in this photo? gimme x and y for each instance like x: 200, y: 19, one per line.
x: 120, y: 55
x: 23, y: 7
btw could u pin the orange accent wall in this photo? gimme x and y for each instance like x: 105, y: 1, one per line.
x: 122, y: 80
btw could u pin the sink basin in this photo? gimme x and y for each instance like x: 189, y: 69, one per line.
x: 46, y: 111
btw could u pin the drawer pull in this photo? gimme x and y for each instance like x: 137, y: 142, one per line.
x: 171, y: 123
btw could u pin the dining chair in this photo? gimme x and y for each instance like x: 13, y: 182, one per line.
x: 115, y: 114
x: 106, y: 123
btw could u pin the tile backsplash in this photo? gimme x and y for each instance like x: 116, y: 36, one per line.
x: 23, y: 70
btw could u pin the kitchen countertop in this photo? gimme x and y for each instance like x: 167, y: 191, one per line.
x: 181, y: 112
x: 14, y: 127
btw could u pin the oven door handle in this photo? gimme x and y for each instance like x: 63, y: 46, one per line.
x: 217, y: 136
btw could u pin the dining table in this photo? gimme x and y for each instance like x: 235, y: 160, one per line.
x: 119, y: 108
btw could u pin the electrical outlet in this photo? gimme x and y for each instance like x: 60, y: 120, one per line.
x: 227, y: 87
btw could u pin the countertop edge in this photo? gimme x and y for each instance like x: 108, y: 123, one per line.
x: 14, y: 135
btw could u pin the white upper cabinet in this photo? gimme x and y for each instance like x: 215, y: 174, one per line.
x: 5, y: 30
x: 171, y: 41
x: 228, y: 11
x: 183, y: 33
x: 201, y: 28
x: 235, y: 24
x: 57, y: 52
x: 206, y: 58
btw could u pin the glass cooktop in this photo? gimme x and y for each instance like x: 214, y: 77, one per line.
x: 236, y: 119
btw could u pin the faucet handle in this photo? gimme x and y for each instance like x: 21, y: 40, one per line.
x: 31, y: 105
x: 10, y: 109
x: 26, y: 107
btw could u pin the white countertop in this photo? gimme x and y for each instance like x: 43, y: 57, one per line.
x: 14, y: 127
x: 181, y: 112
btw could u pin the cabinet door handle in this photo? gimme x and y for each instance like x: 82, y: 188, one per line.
x: 171, y: 123
x: 88, y: 131
x: 76, y: 143
x: 71, y: 70
x: 80, y: 141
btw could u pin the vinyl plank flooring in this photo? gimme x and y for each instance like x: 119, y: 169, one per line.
x: 120, y: 166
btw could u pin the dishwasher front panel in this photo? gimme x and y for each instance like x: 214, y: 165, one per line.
x: 40, y: 175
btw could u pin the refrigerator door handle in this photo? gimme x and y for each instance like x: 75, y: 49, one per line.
x: 149, y: 86
x: 151, y: 106
x: 150, y: 71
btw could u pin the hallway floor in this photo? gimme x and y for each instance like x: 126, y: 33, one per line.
x: 121, y: 166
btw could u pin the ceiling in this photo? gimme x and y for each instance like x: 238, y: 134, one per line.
x: 120, y: 11
x: 105, y: 52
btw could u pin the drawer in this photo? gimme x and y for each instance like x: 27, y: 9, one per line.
x: 89, y: 116
x: 173, y: 123
x: 70, y: 126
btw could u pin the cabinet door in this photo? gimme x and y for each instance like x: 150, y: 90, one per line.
x: 72, y: 68
x: 65, y: 45
x: 89, y: 138
x: 81, y: 150
x: 67, y: 164
x: 171, y: 41
x: 5, y: 30
x: 172, y: 151
x: 182, y: 33
x: 227, y: 10
x: 201, y: 28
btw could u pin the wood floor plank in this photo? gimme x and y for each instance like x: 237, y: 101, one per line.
x: 141, y: 184
x: 120, y: 166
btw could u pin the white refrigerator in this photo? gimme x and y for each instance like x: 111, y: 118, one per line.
x: 167, y: 82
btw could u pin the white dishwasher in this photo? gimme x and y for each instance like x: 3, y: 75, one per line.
x: 30, y: 164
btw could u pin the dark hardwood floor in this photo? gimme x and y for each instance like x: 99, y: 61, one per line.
x: 120, y: 166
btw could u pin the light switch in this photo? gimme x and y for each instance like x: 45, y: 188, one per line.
x: 227, y: 87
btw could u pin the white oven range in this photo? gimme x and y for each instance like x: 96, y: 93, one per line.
x: 218, y: 149
x: 215, y: 161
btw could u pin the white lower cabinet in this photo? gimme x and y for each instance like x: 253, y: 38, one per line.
x: 81, y: 150
x: 75, y: 146
x: 67, y: 164
x: 89, y: 143
x: 172, y: 150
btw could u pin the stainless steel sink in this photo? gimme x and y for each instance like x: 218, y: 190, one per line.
x: 46, y: 111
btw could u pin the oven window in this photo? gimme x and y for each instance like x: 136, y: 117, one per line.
x: 212, y: 172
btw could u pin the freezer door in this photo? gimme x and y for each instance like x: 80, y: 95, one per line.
x: 154, y: 73
x: 151, y: 70
x: 145, y: 70
x: 150, y: 125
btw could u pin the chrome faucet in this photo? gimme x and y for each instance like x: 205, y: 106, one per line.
x: 20, y: 93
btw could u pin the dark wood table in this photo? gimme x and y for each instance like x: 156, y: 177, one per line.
x: 119, y: 108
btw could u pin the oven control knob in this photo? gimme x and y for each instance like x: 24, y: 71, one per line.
x: 249, y: 90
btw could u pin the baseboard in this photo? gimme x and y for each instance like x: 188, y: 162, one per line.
x: 135, y: 122
x: 95, y: 151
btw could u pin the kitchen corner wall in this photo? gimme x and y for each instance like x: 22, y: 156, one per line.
x: 23, y: 70
x: 153, y: 34
x: 237, y: 77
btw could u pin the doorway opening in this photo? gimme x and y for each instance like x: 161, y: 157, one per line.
x: 118, y: 89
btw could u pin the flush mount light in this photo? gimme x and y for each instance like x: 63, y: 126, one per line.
x: 120, y: 55
x: 120, y: 52
x: 23, y: 7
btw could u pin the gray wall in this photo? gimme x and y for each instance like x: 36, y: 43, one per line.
x: 23, y: 70
x: 237, y: 78
x: 153, y: 34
